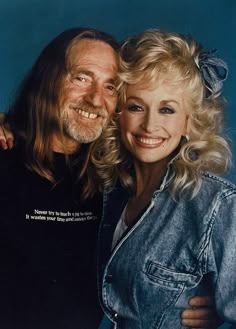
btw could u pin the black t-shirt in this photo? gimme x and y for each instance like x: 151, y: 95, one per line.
x: 48, y: 243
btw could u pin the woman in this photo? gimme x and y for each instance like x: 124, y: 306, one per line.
x: 169, y: 220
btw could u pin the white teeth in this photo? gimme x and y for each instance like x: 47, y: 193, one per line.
x: 92, y: 115
x: 150, y: 141
x: 87, y: 114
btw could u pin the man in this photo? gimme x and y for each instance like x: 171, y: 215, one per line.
x: 48, y: 227
x: 48, y: 233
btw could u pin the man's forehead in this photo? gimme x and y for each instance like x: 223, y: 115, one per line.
x: 88, y: 51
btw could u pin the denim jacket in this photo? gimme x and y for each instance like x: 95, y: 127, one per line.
x: 174, y: 251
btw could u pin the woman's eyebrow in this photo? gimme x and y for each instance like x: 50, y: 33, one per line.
x: 134, y: 98
x: 166, y: 101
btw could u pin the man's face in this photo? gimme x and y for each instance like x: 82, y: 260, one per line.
x: 89, y: 90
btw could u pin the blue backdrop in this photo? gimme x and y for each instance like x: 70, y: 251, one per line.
x: 26, y: 26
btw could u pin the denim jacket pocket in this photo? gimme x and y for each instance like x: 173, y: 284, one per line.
x: 170, y: 278
x: 164, y: 286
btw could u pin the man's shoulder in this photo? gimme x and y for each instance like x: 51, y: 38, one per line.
x: 8, y: 157
x: 11, y: 163
x: 8, y: 182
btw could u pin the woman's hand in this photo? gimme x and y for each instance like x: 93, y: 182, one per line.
x: 6, y: 136
x: 202, y: 315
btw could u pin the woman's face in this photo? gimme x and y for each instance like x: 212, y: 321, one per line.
x: 153, y: 120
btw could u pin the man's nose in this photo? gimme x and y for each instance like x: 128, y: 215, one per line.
x: 94, y: 96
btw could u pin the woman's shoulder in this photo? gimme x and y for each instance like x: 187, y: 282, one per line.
x: 216, y: 183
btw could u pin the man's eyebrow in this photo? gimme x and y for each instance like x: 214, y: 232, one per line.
x: 113, y: 81
x: 83, y: 71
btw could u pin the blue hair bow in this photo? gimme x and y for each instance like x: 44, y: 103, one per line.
x: 213, y: 70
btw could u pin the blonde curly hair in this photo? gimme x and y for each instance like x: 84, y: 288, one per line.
x: 164, y: 56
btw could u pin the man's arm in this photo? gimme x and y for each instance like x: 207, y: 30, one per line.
x: 202, y: 315
x: 6, y: 136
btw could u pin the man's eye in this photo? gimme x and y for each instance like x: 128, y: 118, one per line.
x: 81, y: 78
x: 111, y: 90
x: 134, y: 108
x: 167, y: 110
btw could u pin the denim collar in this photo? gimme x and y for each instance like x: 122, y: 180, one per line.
x: 169, y: 175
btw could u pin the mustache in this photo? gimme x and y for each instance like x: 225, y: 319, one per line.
x: 84, y: 106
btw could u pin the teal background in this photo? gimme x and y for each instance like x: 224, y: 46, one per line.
x: 26, y: 26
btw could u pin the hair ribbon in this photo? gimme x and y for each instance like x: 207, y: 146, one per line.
x: 213, y: 70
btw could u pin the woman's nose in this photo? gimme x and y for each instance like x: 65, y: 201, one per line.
x: 151, y: 122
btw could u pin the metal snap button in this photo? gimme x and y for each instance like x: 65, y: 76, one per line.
x: 109, y: 278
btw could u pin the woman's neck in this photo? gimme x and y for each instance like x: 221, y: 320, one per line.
x: 148, y: 180
x: 149, y: 176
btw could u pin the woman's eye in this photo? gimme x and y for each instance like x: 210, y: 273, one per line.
x: 167, y: 110
x: 134, y: 108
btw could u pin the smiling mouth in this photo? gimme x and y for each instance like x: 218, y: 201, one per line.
x: 87, y: 115
x: 149, y: 141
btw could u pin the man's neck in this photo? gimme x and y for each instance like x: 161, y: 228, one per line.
x: 67, y: 146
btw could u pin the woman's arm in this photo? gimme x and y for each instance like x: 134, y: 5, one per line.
x: 222, y: 255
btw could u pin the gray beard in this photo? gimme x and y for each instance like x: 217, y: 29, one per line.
x: 81, y: 133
